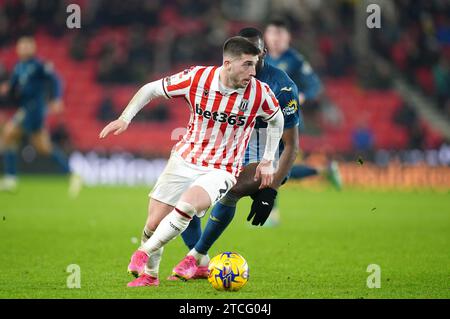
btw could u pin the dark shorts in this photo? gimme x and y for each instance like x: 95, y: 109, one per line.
x: 29, y: 121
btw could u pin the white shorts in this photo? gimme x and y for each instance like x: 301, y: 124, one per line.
x: 180, y: 175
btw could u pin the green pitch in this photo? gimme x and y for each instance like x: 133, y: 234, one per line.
x: 321, y: 249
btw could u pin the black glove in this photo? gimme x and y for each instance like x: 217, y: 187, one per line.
x: 263, y: 201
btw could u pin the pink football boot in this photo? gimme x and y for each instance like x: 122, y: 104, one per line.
x: 185, y: 269
x: 137, y: 263
x: 201, y: 273
x: 143, y: 281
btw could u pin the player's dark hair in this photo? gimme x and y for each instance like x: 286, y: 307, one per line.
x: 280, y: 23
x: 250, y: 33
x: 236, y: 46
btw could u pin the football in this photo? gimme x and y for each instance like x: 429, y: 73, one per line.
x: 228, y: 271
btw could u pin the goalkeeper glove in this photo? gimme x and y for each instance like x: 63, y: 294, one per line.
x: 263, y: 201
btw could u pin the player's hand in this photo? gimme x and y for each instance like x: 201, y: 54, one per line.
x: 263, y: 201
x: 118, y: 126
x: 4, y: 88
x: 301, y: 98
x: 265, y: 172
x: 56, y: 106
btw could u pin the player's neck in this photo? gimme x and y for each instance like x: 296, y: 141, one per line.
x: 225, y: 80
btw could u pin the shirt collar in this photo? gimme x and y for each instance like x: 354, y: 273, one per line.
x: 216, y: 85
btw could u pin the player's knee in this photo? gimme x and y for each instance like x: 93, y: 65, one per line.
x: 42, y: 145
x: 8, y: 137
x: 230, y: 199
x: 43, y: 148
x: 242, y: 188
x: 185, y: 209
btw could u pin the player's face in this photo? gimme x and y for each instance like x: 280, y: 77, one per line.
x: 241, y: 70
x: 259, y: 43
x: 277, y: 38
x: 26, y: 48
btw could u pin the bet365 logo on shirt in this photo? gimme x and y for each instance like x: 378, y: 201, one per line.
x: 221, y: 117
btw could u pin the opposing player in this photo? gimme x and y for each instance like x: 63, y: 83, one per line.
x: 278, y: 37
x: 28, y: 87
x: 195, y: 264
x: 225, y: 102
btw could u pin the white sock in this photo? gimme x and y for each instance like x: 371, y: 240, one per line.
x: 146, y: 234
x: 170, y: 227
x: 202, y: 260
x: 152, y: 267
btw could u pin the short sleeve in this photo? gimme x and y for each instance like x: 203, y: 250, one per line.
x: 288, y: 99
x: 178, y: 84
x: 270, y: 105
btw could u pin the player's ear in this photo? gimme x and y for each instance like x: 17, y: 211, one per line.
x: 227, y: 63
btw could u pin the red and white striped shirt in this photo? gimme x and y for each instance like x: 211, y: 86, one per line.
x: 221, y: 122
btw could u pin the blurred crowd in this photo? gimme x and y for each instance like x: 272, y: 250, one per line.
x: 416, y: 38
x: 156, y: 36
x: 136, y: 41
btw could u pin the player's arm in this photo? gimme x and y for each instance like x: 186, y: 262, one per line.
x: 290, y: 106
x: 309, y: 84
x: 275, y: 123
x: 287, y: 158
x: 55, y: 103
x: 7, y: 87
x: 264, y: 199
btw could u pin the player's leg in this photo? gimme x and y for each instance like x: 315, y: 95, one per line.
x: 42, y: 142
x: 11, y: 135
x: 220, y: 217
x: 140, y: 260
x: 40, y: 139
x: 204, y: 192
x: 192, y: 233
x: 176, y: 219
x: 331, y: 173
x: 226, y: 207
x: 172, y: 183
x: 303, y: 171
x: 223, y: 212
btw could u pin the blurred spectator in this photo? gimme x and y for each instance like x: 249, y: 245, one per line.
x: 106, y: 112
x: 3, y: 77
x: 416, y: 136
x: 363, y: 140
x: 407, y: 117
x: 375, y: 75
x: 156, y: 113
x: 441, y: 75
x: 78, y: 46
x: 112, y: 66
x: 61, y: 137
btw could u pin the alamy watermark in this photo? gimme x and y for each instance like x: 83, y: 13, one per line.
x: 373, y: 21
x: 73, y: 20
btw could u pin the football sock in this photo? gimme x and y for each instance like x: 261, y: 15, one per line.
x: 303, y: 171
x: 60, y: 158
x: 170, y: 227
x: 202, y: 259
x: 10, y: 162
x: 219, y: 218
x: 192, y: 233
x: 152, y: 267
x: 146, y: 234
